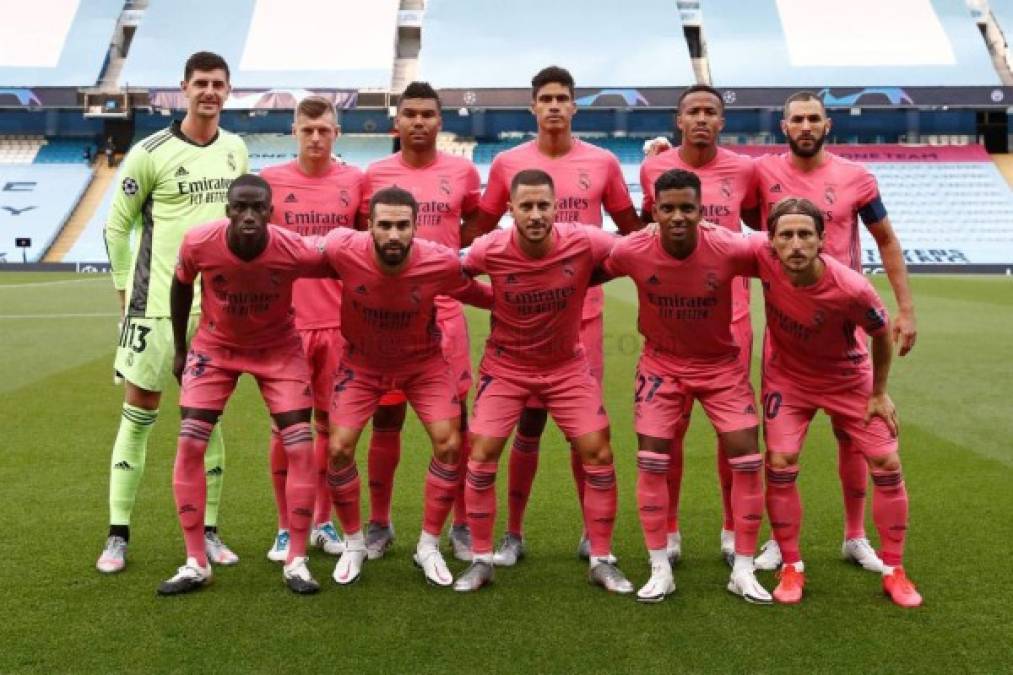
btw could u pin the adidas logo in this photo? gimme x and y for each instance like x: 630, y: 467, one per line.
x: 511, y: 279
x: 181, y: 171
x: 291, y: 199
x: 750, y: 410
x: 216, y: 471
x: 653, y: 280
x: 361, y: 289
x: 776, y: 187
x: 123, y: 466
x: 601, y: 410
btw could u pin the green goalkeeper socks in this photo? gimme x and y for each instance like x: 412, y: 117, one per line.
x: 128, y: 461
x: 214, y: 469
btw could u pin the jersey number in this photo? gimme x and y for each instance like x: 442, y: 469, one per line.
x: 133, y: 337
x: 641, y: 383
x: 772, y: 405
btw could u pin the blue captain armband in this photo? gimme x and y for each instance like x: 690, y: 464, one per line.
x: 873, y: 212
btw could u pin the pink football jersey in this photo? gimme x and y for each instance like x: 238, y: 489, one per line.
x: 315, y: 205
x: 247, y: 304
x: 536, y: 313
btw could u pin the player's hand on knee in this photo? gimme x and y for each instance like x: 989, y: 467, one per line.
x: 881, y: 406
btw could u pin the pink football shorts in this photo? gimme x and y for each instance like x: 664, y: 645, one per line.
x: 569, y: 392
x: 788, y: 409
x: 663, y: 400
x: 211, y: 373
x: 430, y: 389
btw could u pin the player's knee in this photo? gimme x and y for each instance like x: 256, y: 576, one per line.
x: 447, y: 446
x: 782, y: 460
x: 141, y: 398
x: 340, y: 452
x: 532, y: 422
x: 740, y: 443
x: 889, y: 462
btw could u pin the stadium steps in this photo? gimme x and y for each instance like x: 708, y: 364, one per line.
x: 1005, y: 164
x: 82, y: 213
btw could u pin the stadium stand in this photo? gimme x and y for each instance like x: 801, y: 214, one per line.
x: 360, y: 150
x: 35, y: 201
x: 464, y: 44
x: 19, y: 149
x: 341, y: 44
x: 872, y: 44
x: 55, y: 44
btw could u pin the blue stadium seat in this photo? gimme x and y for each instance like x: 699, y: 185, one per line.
x: 35, y: 202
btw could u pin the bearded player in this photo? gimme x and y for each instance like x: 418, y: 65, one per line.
x: 446, y: 188
x: 846, y: 192
x: 393, y: 341
x: 817, y: 360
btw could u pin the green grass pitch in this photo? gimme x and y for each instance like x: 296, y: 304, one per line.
x: 60, y: 411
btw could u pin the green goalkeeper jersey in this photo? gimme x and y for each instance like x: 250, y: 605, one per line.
x: 167, y: 185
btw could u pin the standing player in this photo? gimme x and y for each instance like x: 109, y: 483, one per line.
x: 540, y: 272
x: 313, y: 194
x: 845, y: 191
x: 586, y: 179
x: 727, y: 191
x: 171, y: 181
x: 685, y: 276
x: 815, y: 360
x: 248, y: 268
x: 393, y: 341
x: 447, y: 191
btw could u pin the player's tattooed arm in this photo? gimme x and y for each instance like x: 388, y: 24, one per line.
x: 180, y: 301
x: 905, y: 325
x: 880, y: 405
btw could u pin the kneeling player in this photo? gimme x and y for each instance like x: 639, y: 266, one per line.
x: 816, y: 359
x: 684, y: 276
x: 540, y: 272
x: 392, y: 341
x: 247, y: 268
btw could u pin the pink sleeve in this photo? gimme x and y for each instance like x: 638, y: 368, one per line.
x: 474, y: 261
x: 186, y: 265
x: 741, y: 254
x: 601, y: 242
x: 472, y: 190
x: 869, y: 311
x: 497, y: 192
x: 312, y: 261
x: 335, y: 244
x: 615, y: 265
x: 617, y: 195
x: 648, y: 202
